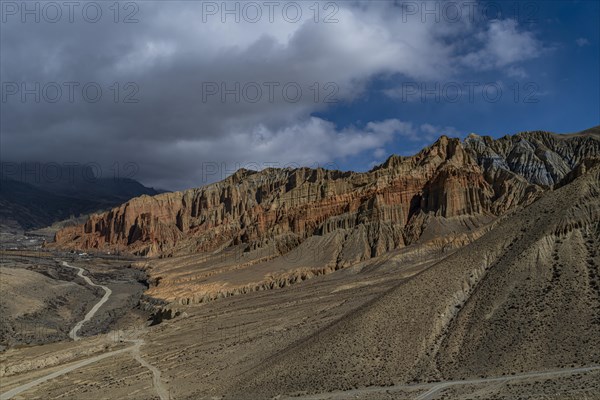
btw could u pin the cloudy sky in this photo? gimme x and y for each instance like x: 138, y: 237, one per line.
x: 189, y: 91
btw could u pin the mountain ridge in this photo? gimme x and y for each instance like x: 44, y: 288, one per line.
x: 477, y: 176
x: 35, y: 195
x: 490, y: 307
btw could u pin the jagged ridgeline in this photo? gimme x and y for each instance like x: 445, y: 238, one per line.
x: 451, y: 186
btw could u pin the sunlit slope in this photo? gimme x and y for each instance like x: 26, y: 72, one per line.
x: 523, y: 297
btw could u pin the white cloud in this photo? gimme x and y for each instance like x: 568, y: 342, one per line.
x: 430, y: 132
x: 516, y: 72
x: 379, y: 153
x: 392, y: 126
x: 503, y: 44
x: 581, y: 42
x: 312, y: 142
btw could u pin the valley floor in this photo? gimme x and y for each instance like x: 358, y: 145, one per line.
x: 199, y: 353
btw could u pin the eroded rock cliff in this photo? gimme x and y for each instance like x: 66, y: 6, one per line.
x: 388, y: 207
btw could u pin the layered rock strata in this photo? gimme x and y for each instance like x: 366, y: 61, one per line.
x: 389, y: 206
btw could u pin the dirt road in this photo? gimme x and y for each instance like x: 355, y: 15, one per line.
x: 431, y: 393
x: 135, y: 349
x: 107, y: 292
x: 20, y: 389
x: 433, y: 389
x: 162, y: 392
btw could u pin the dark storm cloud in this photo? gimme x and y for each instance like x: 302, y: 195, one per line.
x: 169, y: 68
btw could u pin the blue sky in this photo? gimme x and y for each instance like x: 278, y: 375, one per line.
x: 191, y: 91
x: 559, y: 90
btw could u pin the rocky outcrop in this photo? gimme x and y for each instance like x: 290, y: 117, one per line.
x: 385, y: 208
x: 540, y: 158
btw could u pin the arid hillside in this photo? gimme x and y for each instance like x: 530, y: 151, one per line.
x: 513, y: 314
x: 494, y: 298
x: 524, y: 297
x: 390, y: 206
x: 263, y: 230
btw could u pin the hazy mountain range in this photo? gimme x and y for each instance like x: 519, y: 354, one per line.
x: 33, y: 194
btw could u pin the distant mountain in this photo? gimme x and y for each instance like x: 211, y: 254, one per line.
x: 33, y: 195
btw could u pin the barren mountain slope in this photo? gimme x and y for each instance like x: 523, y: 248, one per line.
x: 268, y: 229
x: 394, y: 203
x: 524, y: 296
x: 287, y: 206
x: 541, y: 158
x: 198, y: 278
x: 384, y: 316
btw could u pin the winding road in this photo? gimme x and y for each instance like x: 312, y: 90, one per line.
x: 107, y: 292
x: 432, y: 389
x: 135, y: 349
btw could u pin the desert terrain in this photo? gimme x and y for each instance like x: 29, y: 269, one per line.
x: 473, y: 279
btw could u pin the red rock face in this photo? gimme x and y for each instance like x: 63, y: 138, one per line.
x: 449, y: 179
